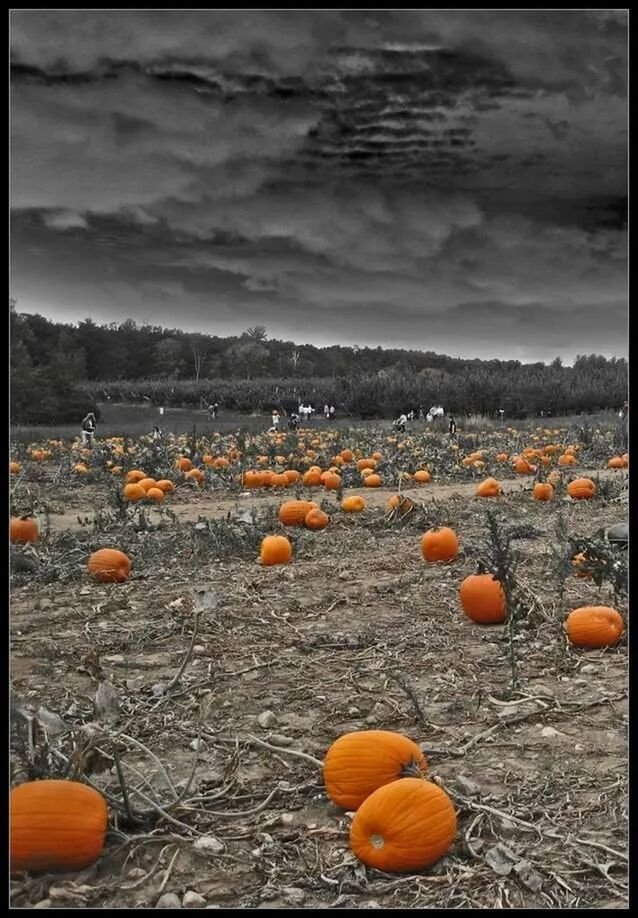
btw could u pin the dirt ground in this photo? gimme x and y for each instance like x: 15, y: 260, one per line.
x: 359, y: 632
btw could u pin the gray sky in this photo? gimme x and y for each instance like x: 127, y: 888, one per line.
x: 447, y: 180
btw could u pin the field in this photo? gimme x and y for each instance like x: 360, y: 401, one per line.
x: 233, y: 678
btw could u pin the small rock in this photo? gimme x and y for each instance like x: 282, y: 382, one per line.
x: 286, y: 819
x: 294, y: 894
x: 278, y: 739
x: 136, y: 873
x: 209, y: 844
x: 549, y: 732
x: 589, y: 669
x: 266, y: 719
x: 528, y: 876
x: 214, y: 777
x: 371, y: 719
x: 114, y: 658
x: 196, y: 745
x: 193, y: 899
x: 353, y: 711
x: 509, y: 711
x: 168, y: 900
x: 466, y: 785
x: 199, y: 648
x: 44, y: 603
x: 579, y: 748
x: 158, y: 689
x: 85, y: 591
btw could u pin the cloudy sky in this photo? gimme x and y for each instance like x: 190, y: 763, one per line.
x: 447, y: 180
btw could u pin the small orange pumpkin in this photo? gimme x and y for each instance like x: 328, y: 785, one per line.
x: 403, y: 826
x: 134, y: 492
x: 14, y: 468
x: 109, y: 565
x: 483, y: 599
x: 358, y: 763
x: 372, y: 481
x: 543, y: 491
x: 422, y: 476
x: 134, y: 476
x: 155, y: 493
x: 353, y: 504
x: 316, y: 519
x: 24, y: 529
x: 489, y: 488
x: 440, y: 544
x: 56, y: 825
x: 275, y: 549
x: 594, y: 626
x: 165, y: 484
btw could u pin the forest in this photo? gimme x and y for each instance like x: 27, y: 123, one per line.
x: 58, y: 371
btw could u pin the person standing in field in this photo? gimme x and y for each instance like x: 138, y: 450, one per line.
x: 275, y: 420
x: 332, y: 412
x: 452, y: 427
x: 326, y: 412
x: 157, y: 433
x: 89, y: 426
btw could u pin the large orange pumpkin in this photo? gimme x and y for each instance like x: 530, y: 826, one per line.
x: 56, y: 825
x: 372, y: 481
x: 422, y: 476
x: 581, y: 488
x: 134, y: 491
x: 294, y: 512
x: 275, y: 550
x: 360, y: 762
x: 594, y: 626
x: 109, y: 565
x: 440, y: 544
x: 24, y: 529
x: 403, y: 826
x: 483, y: 599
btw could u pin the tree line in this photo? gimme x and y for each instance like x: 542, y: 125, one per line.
x: 59, y: 370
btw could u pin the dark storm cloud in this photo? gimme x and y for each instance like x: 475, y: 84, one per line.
x: 440, y: 170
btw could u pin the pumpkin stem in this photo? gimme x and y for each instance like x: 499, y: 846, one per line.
x: 412, y: 770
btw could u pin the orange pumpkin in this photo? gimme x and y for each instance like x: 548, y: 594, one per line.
x: 594, y: 626
x: 134, y: 492
x: 56, y: 825
x: 422, y: 476
x: 292, y: 475
x: 578, y: 562
x: 483, y: 599
x: 147, y: 483
x: 366, y: 464
x: 195, y: 475
x: 331, y: 481
x: 294, y: 512
x: 253, y: 478
x: 372, y: 481
x: 404, y: 826
x: 347, y: 455
x: 615, y: 463
x: 221, y: 463
x: 155, y: 493
x: 184, y: 464
x: 316, y: 519
x: 134, y: 476
x: 567, y: 459
x: 24, y: 529
x: 543, y: 491
x: 489, y: 488
x: 14, y: 468
x: 353, y: 504
x: 358, y: 763
x: 581, y: 488
x: 440, y: 544
x: 275, y: 550
x: 312, y: 478
x: 403, y: 505
x: 166, y: 485
x: 109, y: 565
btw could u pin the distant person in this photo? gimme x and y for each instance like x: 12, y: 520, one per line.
x: 501, y: 414
x: 157, y: 433
x: 213, y: 410
x: 326, y: 412
x: 400, y: 423
x: 275, y: 420
x: 452, y: 426
x: 410, y: 415
x: 293, y: 421
x: 89, y: 426
x: 332, y: 412
x: 421, y: 413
